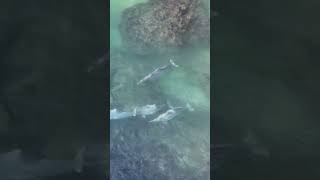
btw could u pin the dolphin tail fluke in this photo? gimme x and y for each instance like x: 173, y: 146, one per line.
x: 173, y: 63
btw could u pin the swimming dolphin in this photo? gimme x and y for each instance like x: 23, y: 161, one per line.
x: 116, y: 115
x: 14, y: 166
x: 157, y: 72
x: 171, y: 113
x: 166, y: 116
x: 146, y: 110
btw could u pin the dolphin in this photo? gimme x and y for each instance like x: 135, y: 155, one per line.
x: 157, y: 72
x: 171, y: 113
x: 166, y: 116
x: 116, y: 115
x: 146, y: 110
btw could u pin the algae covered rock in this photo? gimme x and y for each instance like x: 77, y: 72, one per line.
x: 160, y: 26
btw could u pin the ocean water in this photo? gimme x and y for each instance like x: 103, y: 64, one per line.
x: 177, y: 149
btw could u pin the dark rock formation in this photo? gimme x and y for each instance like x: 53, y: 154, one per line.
x: 164, y: 25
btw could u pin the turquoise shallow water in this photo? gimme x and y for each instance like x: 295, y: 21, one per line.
x: 183, y: 142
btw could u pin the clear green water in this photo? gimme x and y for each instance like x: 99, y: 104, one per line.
x: 188, y: 135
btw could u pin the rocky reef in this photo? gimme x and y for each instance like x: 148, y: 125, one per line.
x: 160, y: 26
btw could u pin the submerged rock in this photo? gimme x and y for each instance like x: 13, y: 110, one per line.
x: 160, y: 26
